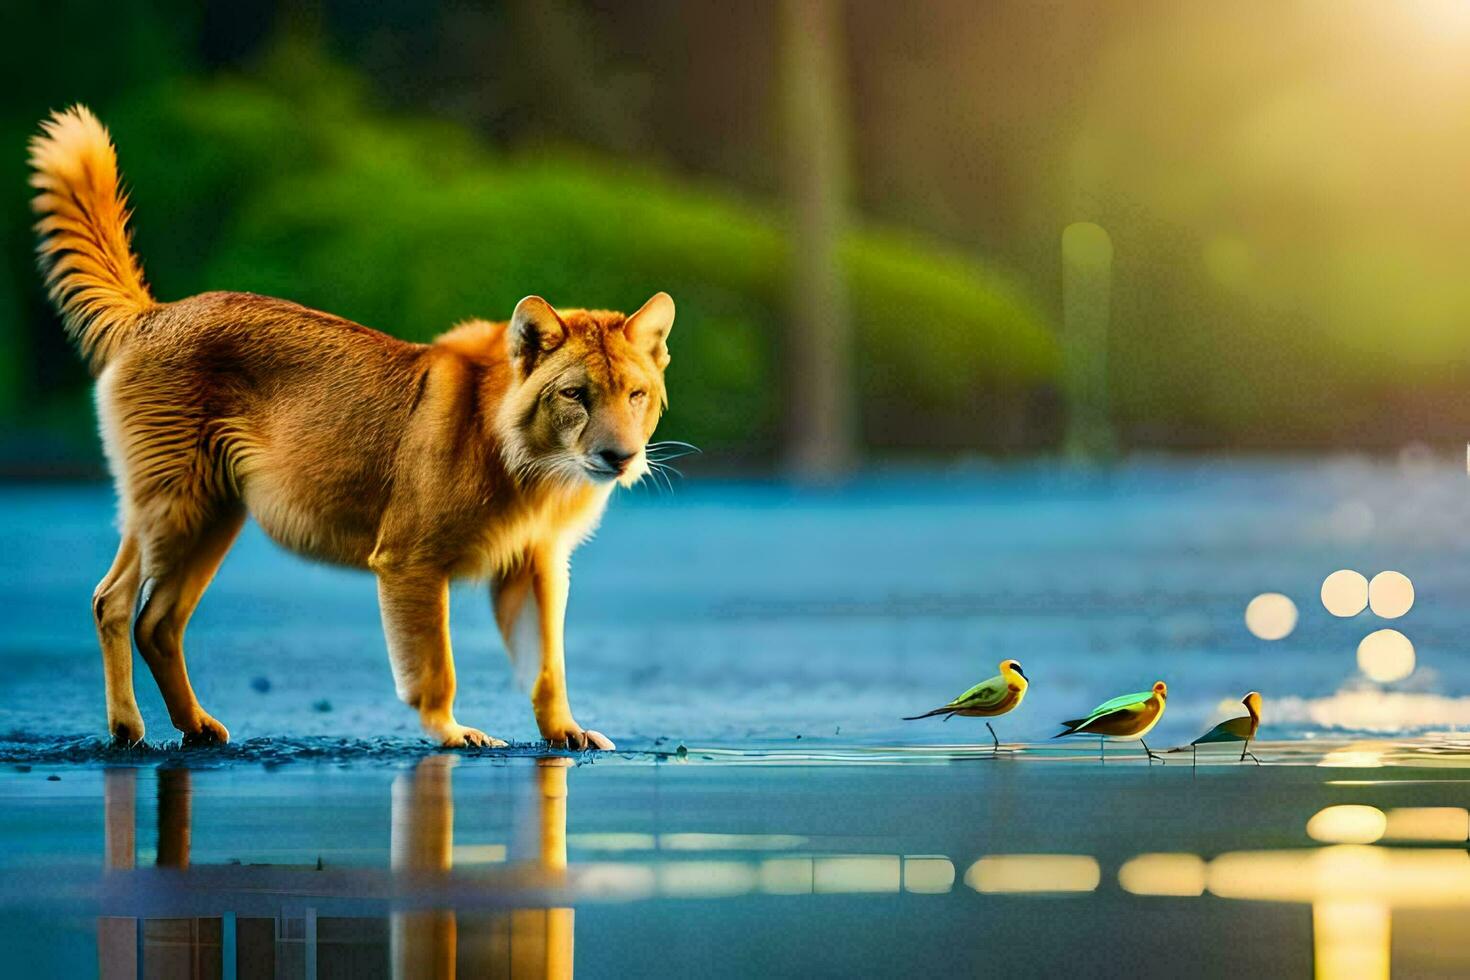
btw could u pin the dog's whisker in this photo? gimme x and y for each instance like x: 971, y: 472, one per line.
x: 657, y: 474
x: 668, y: 454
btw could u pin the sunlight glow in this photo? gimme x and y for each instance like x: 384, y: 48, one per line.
x: 729, y: 842
x: 1345, y: 593
x: 1386, y: 656
x: 927, y: 874
x: 1163, y: 874
x: 1359, y: 755
x: 705, y: 879
x: 1033, y: 874
x: 1271, y: 616
x: 685, y: 842
x: 856, y: 874
x: 1428, y: 823
x: 612, y: 842
x: 1395, y: 876
x: 1347, y: 824
x: 1373, y: 710
x: 1350, y: 940
x: 787, y: 876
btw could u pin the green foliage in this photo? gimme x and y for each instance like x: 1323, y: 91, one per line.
x: 284, y: 183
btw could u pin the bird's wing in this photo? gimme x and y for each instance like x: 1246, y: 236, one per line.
x: 983, y: 695
x: 1124, y: 717
x: 1122, y: 701
x: 1100, y: 724
x: 1234, y: 730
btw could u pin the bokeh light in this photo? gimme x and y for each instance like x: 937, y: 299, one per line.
x: 1428, y: 823
x: 1347, y: 824
x: 1386, y: 656
x: 1010, y: 874
x: 1391, y: 594
x: 1345, y: 593
x: 1271, y: 616
x: 1163, y: 874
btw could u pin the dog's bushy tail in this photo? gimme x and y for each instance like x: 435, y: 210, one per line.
x: 85, y: 250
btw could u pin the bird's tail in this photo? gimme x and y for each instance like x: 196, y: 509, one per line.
x: 946, y: 711
x: 1069, y: 727
x: 85, y: 250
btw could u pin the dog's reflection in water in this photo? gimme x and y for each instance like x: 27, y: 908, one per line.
x: 276, y: 930
x: 531, y: 942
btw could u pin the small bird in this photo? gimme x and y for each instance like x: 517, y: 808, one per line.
x: 1241, y: 729
x: 999, y: 695
x: 1129, y: 716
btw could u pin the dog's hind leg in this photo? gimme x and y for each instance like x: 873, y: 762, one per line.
x: 176, y: 572
x: 519, y: 620
x: 112, y: 610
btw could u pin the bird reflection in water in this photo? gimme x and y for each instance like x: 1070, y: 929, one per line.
x: 273, y: 928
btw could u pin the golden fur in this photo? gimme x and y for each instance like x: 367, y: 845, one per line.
x: 490, y: 453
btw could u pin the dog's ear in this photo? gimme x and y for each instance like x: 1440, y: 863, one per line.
x: 535, y: 330
x: 648, y: 329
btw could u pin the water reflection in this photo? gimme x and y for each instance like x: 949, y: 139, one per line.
x: 273, y: 926
x: 1347, y: 823
x: 1354, y: 886
x: 1427, y: 823
x: 1354, y: 883
x: 1034, y: 874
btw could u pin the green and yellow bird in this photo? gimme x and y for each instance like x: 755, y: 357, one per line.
x: 1241, y: 729
x: 1127, y: 717
x: 999, y: 695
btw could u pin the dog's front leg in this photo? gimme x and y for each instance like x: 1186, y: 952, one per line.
x: 415, y: 608
x: 550, y: 582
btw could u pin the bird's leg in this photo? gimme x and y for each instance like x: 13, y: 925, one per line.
x: 1247, y: 752
x: 1194, y: 756
x: 1102, y: 756
x: 1152, y: 755
x: 993, y: 737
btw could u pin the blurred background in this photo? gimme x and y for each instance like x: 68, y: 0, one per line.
x: 860, y: 208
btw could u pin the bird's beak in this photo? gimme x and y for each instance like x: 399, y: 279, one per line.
x: 1022, y: 673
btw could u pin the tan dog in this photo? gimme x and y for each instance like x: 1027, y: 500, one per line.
x: 490, y: 453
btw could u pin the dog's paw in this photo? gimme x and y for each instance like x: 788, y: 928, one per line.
x: 128, y: 731
x: 461, y: 736
x: 206, y: 731
x: 576, y: 738
x: 599, y: 741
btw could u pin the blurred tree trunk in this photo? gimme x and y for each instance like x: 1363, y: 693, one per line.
x: 1087, y: 282
x: 818, y: 425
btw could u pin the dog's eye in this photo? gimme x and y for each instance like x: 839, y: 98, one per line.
x: 637, y: 396
x: 574, y: 393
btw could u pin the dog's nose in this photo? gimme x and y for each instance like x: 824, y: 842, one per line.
x: 617, y: 459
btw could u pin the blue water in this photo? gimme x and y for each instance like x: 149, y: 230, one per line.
x: 752, y: 648
x: 741, y: 614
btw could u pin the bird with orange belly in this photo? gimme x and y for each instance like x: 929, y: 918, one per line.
x: 1242, y: 729
x: 1131, y: 716
x: 990, y: 698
